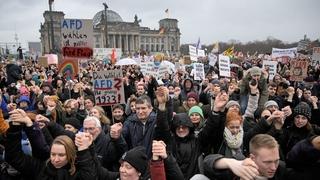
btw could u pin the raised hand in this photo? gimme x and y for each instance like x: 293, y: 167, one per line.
x: 83, y: 140
x: 18, y: 116
x: 162, y: 95
x: 159, y: 150
x: 244, y: 169
x: 220, y: 101
x: 41, y: 120
x: 115, y: 130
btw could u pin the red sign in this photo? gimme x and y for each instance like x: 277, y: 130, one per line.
x: 77, y: 52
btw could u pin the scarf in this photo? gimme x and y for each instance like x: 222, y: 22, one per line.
x: 233, y: 141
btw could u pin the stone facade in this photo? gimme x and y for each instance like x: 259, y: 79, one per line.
x: 129, y: 36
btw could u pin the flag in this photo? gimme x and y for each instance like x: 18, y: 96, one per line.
x: 161, y: 31
x: 198, y: 45
x: 215, y: 48
x: 113, y: 56
x: 229, y: 51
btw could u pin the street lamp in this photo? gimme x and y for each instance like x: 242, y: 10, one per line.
x: 51, y: 27
x: 105, y: 25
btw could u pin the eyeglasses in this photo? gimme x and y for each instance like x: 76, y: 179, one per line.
x: 89, y: 129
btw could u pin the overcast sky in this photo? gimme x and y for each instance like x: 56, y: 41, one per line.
x: 211, y: 20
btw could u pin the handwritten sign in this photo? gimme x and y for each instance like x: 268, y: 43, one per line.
x: 193, y: 53
x: 272, y: 66
x: 77, y: 38
x: 108, y: 87
x: 105, y: 53
x: 277, y: 53
x: 316, y: 56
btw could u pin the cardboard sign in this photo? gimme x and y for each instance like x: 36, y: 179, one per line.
x: 43, y: 61
x: 148, y: 69
x: 224, y: 66
x: 69, y: 68
x: 108, y: 87
x: 77, y: 38
x: 272, y: 65
x: 298, y: 70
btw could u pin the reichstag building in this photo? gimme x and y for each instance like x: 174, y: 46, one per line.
x: 131, y: 37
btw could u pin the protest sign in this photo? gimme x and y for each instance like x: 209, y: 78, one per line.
x: 77, y: 38
x: 148, y: 69
x: 69, y: 68
x: 201, y: 53
x: 43, y: 61
x: 224, y: 66
x: 105, y: 53
x: 108, y: 87
x: 198, y: 71
x: 272, y: 66
x: 162, y: 71
x: 52, y: 58
x: 212, y: 59
x: 193, y: 53
x: 278, y: 53
x: 316, y: 56
x: 298, y: 70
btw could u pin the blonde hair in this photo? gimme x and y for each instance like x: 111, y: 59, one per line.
x: 104, y: 119
x: 70, y: 148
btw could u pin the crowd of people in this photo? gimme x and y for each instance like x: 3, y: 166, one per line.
x: 242, y: 127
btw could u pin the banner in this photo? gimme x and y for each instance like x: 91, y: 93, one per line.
x: 278, y: 53
x: 108, y: 87
x: 298, y: 70
x: 105, y: 53
x: 272, y: 65
x: 198, y: 71
x: 316, y: 56
x: 193, y: 53
x: 77, y: 38
x: 224, y: 66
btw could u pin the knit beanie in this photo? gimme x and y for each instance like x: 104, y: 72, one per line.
x: 231, y: 103
x: 193, y: 95
x: 255, y: 71
x: 270, y: 103
x: 233, y: 116
x: 137, y: 158
x: 196, y: 109
x: 73, y: 122
x: 302, y: 109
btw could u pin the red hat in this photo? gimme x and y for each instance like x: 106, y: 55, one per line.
x: 193, y: 95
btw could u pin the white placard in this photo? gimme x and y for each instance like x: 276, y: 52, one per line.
x: 316, y: 56
x: 198, y: 71
x: 105, y: 53
x: 193, y: 53
x: 224, y: 65
x: 201, y: 53
x: 272, y: 67
x: 212, y: 59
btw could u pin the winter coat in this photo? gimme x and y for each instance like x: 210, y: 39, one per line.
x: 138, y: 134
x: 282, y: 172
x: 188, y: 149
x: 36, y: 169
x: 165, y: 169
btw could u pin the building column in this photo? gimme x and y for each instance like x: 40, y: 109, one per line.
x: 132, y: 44
x: 114, y: 41
x: 120, y: 42
x: 127, y: 43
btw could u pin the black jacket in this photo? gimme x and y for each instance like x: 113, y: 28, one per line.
x: 36, y: 169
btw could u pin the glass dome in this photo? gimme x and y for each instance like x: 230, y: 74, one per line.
x: 111, y: 17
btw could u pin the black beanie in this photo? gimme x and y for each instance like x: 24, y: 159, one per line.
x: 73, y: 122
x: 303, y: 109
x: 137, y: 158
